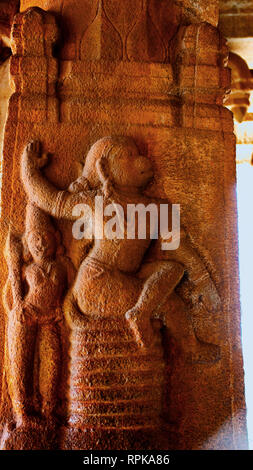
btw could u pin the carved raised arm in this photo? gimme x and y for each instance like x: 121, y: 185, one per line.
x: 39, y: 190
x: 42, y: 193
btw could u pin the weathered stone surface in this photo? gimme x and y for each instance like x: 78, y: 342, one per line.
x: 5, y: 93
x: 160, y: 88
x: 7, y: 11
x: 126, y: 22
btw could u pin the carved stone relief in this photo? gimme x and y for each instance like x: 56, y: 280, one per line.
x: 117, y: 27
x: 115, y: 343
x: 130, y: 315
x: 38, y: 277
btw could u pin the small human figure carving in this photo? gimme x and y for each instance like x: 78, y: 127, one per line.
x: 38, y: 276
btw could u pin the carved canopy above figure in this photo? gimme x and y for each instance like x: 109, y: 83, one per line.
x: 135, y: 30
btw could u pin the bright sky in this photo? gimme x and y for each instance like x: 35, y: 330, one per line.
x: 245, y: 211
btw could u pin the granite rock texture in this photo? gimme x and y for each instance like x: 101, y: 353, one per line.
x: 125, y: 103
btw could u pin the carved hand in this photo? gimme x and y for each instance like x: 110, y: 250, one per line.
x: 34, y: 156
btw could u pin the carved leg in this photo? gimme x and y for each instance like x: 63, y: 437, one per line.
x: 50, y: 357
x: 21, y: 338
x: 161, y: 278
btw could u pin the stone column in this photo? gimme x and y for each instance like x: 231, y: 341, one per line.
x: 154, y: 73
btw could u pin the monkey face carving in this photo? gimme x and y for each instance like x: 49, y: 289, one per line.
x: 128, y: 168
x: 118, y: 160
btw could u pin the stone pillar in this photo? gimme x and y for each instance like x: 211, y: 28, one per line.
x: 131, y: 375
